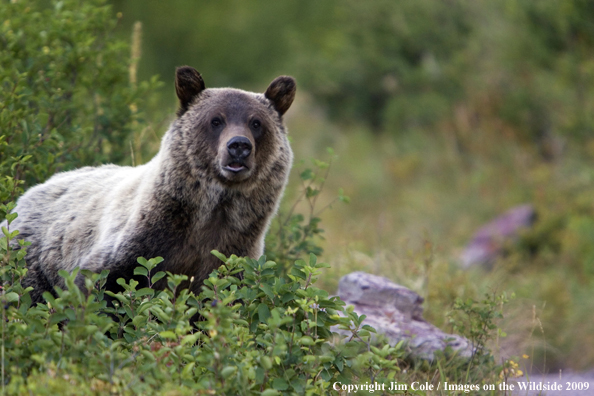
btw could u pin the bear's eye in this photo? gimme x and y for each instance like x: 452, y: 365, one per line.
x: 256, y: 124
x: 216, y: 122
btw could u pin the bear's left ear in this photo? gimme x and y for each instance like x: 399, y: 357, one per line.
x: 281, y: 93
x: 188, y: 84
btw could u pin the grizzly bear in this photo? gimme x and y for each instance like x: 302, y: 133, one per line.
x: 214, y: 184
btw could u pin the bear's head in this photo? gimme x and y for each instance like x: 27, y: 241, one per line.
x: 234, y: 136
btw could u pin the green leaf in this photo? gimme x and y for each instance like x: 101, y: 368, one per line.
x: 268, y: 290
x: 339, y: 363
x: 219, y: 255
x: 158, y: 276
x: 158, y: 312
x: 148, y: 355
x: 311, y: 192
x: 266, y: 362
x: 263, y: 312
x: 321, y: 164
x: 145, y: 291
x: 11, y: 297
x: 140, y: 271
x: 128, y: 311
x: 10, y: 217
x: 280, y: 384
x: 298, y: 273
x: 299, y: 385
x: 191, y: 338
x: 187, y: 371
x: 288, y: 297
x: 228, y: 371
x: 139, y: 320
x: 306, y: 340
x: 49, y: 298
x: 306, y: 174
x: 342, y: 197
x: 268, y: 272
x: 118, y: 296
x: 70, y: 314
x: 155, y: 261
x: 260, y: 375
x: 168, y: 334
x: 57, y: 318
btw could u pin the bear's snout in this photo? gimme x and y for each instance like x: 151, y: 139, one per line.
x: 237, y: 156
x: 239, y: 148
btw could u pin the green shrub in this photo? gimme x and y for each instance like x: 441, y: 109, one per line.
x: 66, y: 99
x: 260, y: 333
x: 292, y: 234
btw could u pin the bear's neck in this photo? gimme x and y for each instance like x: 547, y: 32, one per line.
x: 200, y: 205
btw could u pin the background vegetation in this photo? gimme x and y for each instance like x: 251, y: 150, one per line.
x: 442, y: 115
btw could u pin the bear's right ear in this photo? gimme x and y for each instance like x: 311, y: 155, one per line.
x: 188, y: 84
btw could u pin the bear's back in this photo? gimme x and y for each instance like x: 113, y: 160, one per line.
x: 71, y: 216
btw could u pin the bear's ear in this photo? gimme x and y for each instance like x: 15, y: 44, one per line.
x: 188, y: 84
x: 281, y: 93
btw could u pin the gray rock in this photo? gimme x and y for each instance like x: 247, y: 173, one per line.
x: 396, y: 312
x: 488, y: 242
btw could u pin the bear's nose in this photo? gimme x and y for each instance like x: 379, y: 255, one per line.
x: 239, y: 147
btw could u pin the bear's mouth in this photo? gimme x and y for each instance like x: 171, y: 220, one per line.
x: 235, y: 167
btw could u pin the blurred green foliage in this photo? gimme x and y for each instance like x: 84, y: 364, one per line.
x: 394, y: 66
x: 65, y: 95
